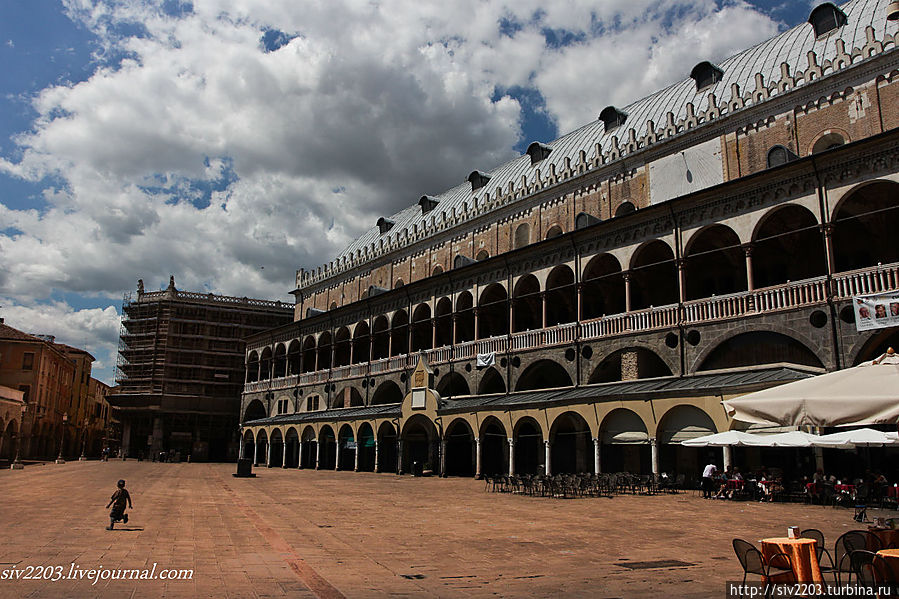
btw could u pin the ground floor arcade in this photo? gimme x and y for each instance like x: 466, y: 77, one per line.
x: 634, y: 426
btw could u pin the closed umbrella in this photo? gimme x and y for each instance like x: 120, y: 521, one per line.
x: 863, y: 395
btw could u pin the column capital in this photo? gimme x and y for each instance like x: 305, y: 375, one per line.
x: 626, y: 275
x: 546, y: 442
x: 596, y: 440
x: 511, y: 441
x: 827, y: 229
x: 747, y: 248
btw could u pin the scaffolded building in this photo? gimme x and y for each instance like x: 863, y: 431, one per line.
x: 180, y: 369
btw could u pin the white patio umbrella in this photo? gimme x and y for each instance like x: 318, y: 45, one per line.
x: 863, y: 437
x: 725, y: 439
x: 788, y: 439
x: 865, y: 394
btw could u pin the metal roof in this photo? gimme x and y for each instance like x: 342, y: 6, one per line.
x: 791, y: 48
x: 381, y: 411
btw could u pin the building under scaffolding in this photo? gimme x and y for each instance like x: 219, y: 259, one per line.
x: 180, y: 370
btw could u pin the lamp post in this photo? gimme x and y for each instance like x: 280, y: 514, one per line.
x: 84, y: 431
x: 62, y: 438
x: 17, y: 462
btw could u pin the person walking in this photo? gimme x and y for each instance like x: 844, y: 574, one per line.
x: 119, y: 499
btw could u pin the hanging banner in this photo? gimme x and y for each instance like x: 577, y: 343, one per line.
x: 876, y: 311
x: 486, y: 360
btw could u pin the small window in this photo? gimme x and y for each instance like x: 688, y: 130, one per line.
x: 583, y: 220
x: 385, y: 224
x: 554, y: 231
x: 478, y: 179
x: 825, y: 18
x: 28, y: 361
x: 706, y: 74
x: 538, y: 151
x: 428, y: 203
x: 611, y: 117
x: 778, y: 155
x: 625, y: 208
x: 482, y: 255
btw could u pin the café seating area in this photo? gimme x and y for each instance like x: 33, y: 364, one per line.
x: 584, y: 485
x: 865, y: 557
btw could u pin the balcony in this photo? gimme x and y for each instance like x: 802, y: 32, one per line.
x: 770, y: 300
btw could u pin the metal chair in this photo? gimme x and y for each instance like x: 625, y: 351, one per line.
x: 814, y: 533
x: 853, y: 540
x: 753, y: 562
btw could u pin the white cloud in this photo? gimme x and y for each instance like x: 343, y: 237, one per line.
x: 381, y: 101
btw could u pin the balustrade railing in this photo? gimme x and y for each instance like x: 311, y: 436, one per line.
x: 881, y: 278
x: 878, y: 279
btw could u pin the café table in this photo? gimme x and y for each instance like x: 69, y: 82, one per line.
x: 803, y: 557
x: 890, y: 558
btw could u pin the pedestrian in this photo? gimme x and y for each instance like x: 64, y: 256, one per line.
x: 119, y: 499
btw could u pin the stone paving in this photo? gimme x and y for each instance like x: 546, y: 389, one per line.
x: 332, y: 534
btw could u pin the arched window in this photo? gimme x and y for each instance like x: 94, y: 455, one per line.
x: 827, y: 142
x: 554, y: 231
x: 522, y: 236
x: 778, y: 155
x: 625, y: 208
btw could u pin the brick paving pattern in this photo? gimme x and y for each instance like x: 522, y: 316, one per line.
x: 332, y: 534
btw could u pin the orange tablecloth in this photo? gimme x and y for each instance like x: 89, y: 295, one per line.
x: 891, y: 557
x: 803, y: 556
x: 889, y: 538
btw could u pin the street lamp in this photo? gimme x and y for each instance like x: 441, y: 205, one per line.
x: 86, y: 427
x: 17, y: 462
x: 62, y: 438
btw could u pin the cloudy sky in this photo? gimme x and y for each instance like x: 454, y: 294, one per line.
x: 231, y: 142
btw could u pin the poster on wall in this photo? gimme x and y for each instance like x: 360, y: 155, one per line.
x: 876, y: 311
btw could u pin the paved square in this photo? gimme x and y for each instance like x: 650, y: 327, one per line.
x: 326, y: 534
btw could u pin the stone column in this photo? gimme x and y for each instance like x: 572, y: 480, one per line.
x: 240, y: 449
x: 284, y: 453
x: 356, y: 458
x: 126, y: 436
x: 377, y: 456
x: 728, y: 457
x: 548, y: 457
x: 268, y: 453
x: 511, y: 456
x: 336, y: 454
x: 443, y: 458
x: 627, y: 290
x: 654, y: 448
x: 255, y: 452
x: 542, y: 309
x: 681, y: 279
x: 747, y: 251
x: 399, y: 455
x: 597, y: 466
x: 827, y: 231
x: 299, y: 454
x: 477, y: 459
x: 318, y: 454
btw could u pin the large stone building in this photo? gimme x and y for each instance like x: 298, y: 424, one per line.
x: 588, y: 305
x: 181, y: 370
x: 49, y: 403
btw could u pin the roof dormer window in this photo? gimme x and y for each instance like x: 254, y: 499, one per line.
x: 611, y: 117
x: 706, y: 74
x: 478, y: 179
x: 385, y: 224
x: 428, y: 203
x: 825, y: 18
x: 538, y: 151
